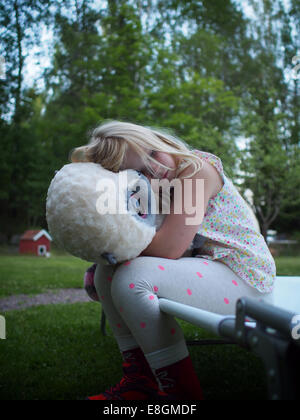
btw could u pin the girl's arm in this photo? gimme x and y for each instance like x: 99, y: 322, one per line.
x: 178, y: 230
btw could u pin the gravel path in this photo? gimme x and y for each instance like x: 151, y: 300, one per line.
x: 51, y: 297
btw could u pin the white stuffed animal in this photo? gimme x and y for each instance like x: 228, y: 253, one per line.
x: 97, y: 215
x: 102, y: 216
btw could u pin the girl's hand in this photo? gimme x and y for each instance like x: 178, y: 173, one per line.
x: 179, y: 228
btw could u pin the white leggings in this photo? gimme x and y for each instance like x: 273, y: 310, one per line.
x: 129, y: 296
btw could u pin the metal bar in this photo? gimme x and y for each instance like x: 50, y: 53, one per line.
x: 269, y: 337
x: 268, y: 315
x: 208, y: 320
x: 227, y: 328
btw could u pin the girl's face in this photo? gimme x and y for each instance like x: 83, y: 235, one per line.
x: 133, y: 161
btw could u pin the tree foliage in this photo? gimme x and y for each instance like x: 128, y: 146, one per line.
x: 200, y: 68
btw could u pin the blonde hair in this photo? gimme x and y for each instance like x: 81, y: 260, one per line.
x: 109, y: 142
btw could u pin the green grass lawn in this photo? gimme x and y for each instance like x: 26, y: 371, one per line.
x: 32, y: 275
x: 57, y: 351
x: 288, y: 266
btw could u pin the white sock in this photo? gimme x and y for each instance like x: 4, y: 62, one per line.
x: 126, y: 342
x: 167, y: 356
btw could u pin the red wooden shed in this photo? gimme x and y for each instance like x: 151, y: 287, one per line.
x: 35, y: 242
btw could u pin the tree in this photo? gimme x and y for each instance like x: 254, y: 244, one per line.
x: 93, y: 77
x: 271, y: 162
x: 16, y: 17
x: 191, y: 91
x: 200, y: 68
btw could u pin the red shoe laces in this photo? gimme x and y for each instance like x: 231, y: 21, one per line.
x: 116, y: 390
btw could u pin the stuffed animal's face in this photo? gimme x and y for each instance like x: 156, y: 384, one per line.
x: 101, y: 216
x: 139, y: 199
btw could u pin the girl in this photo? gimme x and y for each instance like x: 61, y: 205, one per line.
x: 233, y: 262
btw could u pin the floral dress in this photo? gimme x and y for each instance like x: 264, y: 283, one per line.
x: 232, y: 236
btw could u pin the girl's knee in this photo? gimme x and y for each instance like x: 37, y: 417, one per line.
x: 128, y: 280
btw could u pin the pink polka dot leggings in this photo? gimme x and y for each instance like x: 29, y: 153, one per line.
x: 129, y: 296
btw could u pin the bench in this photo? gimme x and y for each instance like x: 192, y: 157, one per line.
x: 269, y: 327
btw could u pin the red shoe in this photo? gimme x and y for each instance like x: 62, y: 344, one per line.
x: 180, y: 380
x: 133, y: 386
